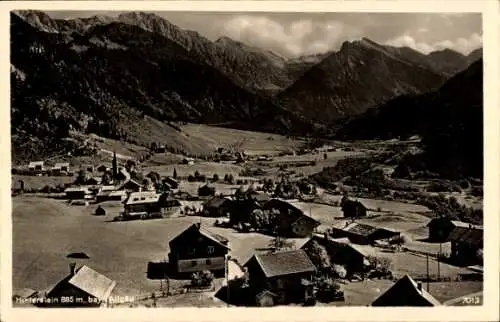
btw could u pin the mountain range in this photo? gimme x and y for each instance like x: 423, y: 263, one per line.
x: 450, y: 121
x: 121, y: 76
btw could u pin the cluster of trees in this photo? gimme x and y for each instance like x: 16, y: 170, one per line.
x: 449, y: 207
x: 264, y: 220
x: 197, y: 177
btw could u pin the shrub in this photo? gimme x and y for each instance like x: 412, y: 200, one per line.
x: 191, y: 178
x: 215, y: 177
x: 339, y: 271
x: 202, y: 279
x: 381, y: 264
x: 328, y: 290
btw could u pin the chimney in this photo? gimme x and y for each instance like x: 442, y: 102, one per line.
x: 419, y: 286
x: 72, y: 268
x: 198, y: 225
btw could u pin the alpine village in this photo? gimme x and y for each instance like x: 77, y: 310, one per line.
x: 152, y: 167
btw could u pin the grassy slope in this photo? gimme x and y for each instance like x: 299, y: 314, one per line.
x: 251, y: 142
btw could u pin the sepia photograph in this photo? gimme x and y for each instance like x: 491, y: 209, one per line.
x: 246, y: 159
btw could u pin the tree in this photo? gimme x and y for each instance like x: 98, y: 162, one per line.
x: 258, y: 219
x: 82, y: 177
x: 339, y: 271
x: 280, y: 243
x: 319, y: 256
x: 106, y: 178
x: 215, y: 177
x: 381, y: 264
x: 175, y: 174
x: 147, y: 182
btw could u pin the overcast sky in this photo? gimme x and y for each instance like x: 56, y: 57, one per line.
x: 295, y: 34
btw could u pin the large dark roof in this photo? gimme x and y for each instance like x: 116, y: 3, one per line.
x: 215, y: 202
x: 472, y: 236
x: 284, y: 263
x: 360, y: 229
x: 405, y: 292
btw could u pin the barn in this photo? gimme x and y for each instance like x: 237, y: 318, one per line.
x: 363, y: 234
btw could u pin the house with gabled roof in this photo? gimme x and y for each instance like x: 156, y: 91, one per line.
x: 198, y: 249
x: 440, y: 228
x: 466, y: 242
x: 130, y: 185
x: 109, y: 193
x: 172, y: 183
x: 218, y: 207
x: 84, y: 283
x: 406, y: 292
x: 341, y: 251
x: 142, y: 202
x: 292, y: 222
x: 352, y: 208
x: 36, y: 166
x: 58, y: 168
x: 288, y: 275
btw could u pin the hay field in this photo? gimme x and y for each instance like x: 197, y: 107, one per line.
x: 253, y: 143
x: 34, y: 182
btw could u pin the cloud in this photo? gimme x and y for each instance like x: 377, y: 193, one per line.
x: 293, y: 38
x: 462, y: 45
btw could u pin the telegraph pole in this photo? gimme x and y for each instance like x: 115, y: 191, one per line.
x: 226, y: 272
x: 427, y: 261
x: 439, y: 260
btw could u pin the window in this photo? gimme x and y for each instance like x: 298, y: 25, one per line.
x: 210, y: 249
x: 209, y: 262
x: 193, y: 263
